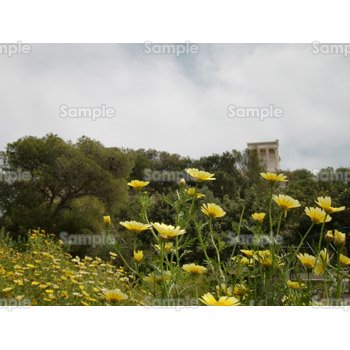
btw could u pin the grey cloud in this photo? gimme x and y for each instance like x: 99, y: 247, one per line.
x: 179, y: 104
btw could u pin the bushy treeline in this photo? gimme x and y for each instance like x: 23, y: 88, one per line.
x: 72, y: 185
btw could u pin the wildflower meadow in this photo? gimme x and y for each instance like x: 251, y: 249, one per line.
x: 188, y: 259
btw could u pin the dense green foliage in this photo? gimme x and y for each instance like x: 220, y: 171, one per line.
x: 73, y: 184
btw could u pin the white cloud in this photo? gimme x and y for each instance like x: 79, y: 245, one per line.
x: 179, y: 104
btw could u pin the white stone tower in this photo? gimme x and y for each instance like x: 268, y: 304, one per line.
x: 268, y: 153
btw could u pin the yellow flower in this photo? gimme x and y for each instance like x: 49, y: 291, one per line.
x: 264, y: 257
x: 307, y: 260
x: 195, y: 269
x: 317, y: 215
x: 167, y: 247
x: 114, y: 295
x: 135, y: 226
x: 31, y: 266
x: 213, y: 210
x: 137, y: 184
x: 8, y: 289
x: 285, y: 202
x: 224, y: 289
x: 326, y: 204
x: 321, y: 262
x: 245, y: 261
x: 64, y: 294
x: 182, y: 182
x: 209, y: 299
x: 339, y: 238
x: 200, y: 175
x: 259, y: 217
x: 273, y: 177
x: 192, y: 192
x: 248, y: 253
x: 294, y: 284
x: 168, y: 231
x: 157, y: 278
x: 240, y: 290
x: 107, y: 220
x: 344, y: 260
x: 138, y: 256
x: 329, y: 236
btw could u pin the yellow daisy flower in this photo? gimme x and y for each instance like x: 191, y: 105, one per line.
x: 107, y: 220
x: 273, y: 177
x: 326, y: 204
x: 321, y: 262
x: 167, y: 247
x: 259, y: 217
x: 247, y: 253
x: 240, y: 290
x: 138, y: 256
x: 213, y: 210
x: 264, y: 257
x: 200, y: 175
x: 224, y: 289
x: 339, y: 238
x: 135, y: 226
x: 294, y: 284
x: 168, y: 231
x: 307, y: 260
x: 194, y: 269
x: 157, y: 278
x: 209, y: 299
x: 344, y: 260
x: 137, y: 184
x: 114, y: 295
x: 329, y: 236
x: 285, y: 202
x: 317, y: 215
x: 64, y: 294
x: 192, y: 192
x: 246, y: 262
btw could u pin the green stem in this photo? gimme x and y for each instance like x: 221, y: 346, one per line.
x: 321, y: 234
x: 279, y: 224
x: 125, y: 262
x: 216, y: 247
x: 270, y: 209
x: 200, y: 237
x: 303, y: 239
x: 238, y: 233
x: 339, y: 279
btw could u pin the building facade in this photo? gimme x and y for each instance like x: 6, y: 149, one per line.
x: 268, y: 153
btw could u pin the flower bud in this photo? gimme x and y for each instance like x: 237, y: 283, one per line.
x: 107, y: 220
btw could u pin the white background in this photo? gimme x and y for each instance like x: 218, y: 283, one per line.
x: 174, y: 21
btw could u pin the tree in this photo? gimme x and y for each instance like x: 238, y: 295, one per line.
x: 61, y: 173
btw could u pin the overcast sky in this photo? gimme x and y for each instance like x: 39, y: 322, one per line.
x: 180, y: 103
